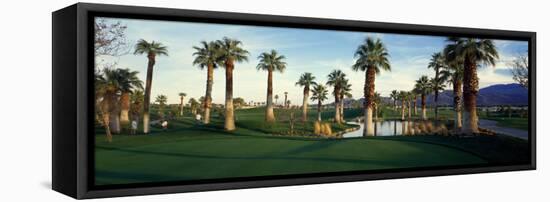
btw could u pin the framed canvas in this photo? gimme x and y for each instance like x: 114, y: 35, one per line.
x: 156, y: 100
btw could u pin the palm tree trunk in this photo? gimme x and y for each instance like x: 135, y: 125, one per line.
x: 402, y: 109
x: 409, y: 108
x: 368, y: 104
x: 229, y: 114
x: 105, y: 115
x: 423, y: 103
x: 124, y: 109
x: 415, y: 101
x: 457, y: 91
x: 181, y: 105
x: 147, y: 95
x: 342, y: 108
x: 319, y: 110
x: 337, y: 118
x: 436, y: 94
x: 115, y: 122
x: 470, y: 94
x: 394, y: 104
x: 208, y: 96
x: 304, y: 103
x: 285, y: 104
x: 269, y: 115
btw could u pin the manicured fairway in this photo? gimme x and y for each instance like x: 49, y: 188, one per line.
x: 172, y: 156
x: 191, y: 151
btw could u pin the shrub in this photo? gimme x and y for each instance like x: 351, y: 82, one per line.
x: 317, y: 128
x: 327, y: 129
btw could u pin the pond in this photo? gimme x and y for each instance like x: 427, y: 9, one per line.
x: 399, y: 127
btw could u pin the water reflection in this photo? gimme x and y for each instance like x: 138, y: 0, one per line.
x: 398, y: 127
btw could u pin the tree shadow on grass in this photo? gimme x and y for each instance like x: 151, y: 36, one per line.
x: 385, y: 163
x: 313, y: 147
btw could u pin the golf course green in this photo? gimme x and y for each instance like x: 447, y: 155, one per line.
x: 193, y: 151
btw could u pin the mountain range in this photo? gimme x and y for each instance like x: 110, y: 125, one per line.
x: 499, y: 94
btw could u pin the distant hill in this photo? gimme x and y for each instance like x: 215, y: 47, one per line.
x: 499, y: 94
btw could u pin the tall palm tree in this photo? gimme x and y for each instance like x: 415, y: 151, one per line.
x: 128, y: 81
x: 403, y: 98
x: 207, y: 56
x: 285, y: 103
x: 230, y: 51
x: 152, y: 50
x: 456, y: 69
x: 337, y: 79
x: 161, y: 100
x: 372, y: 57
x: 306, y: 80
x: 415, y: 99
x: 270, y: 61
x: 393, y: 96
x: 437, y: 62
x: 182, y: 96
x: 410, y: 97
x: 437, y: 85
x: 475, y: 53
x: 424, y: 88
x: 319, y: 93
x: 345, y: 92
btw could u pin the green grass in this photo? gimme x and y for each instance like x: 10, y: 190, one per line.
x: 513, y: 122
x: 449, y: 114
x: 190, y: 151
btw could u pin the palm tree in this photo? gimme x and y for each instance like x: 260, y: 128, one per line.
x: 137, y: 104
x: 306, y: 80
x: 207, y: 56
x: 456, y: 69
x: 410, y: 96
x: 415, y: 99
x: 276, y: 98
x: 285, y: 103
x: 345, y: 92
x: 403, y: 98
x: 182, y: 96
x: 337, y: 79
x: 194, y: 104
x: 319, y: 93
x: 438, y: 63
x: 393, y: 96
x: 474, y: 52
x: 270, y: 61
x: 128, y: 81
x: 152, y: 50
x: 372, y: 56
x: 161, y: 99
x: 424, y: 88
x: 437, y: 85
x: 230, y: 51
x: 107, y: 86
x: 117, y: 82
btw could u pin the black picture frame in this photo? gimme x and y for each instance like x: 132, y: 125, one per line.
x: 72, y: 70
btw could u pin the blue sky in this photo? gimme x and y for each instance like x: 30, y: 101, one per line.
x: 306, y: 50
